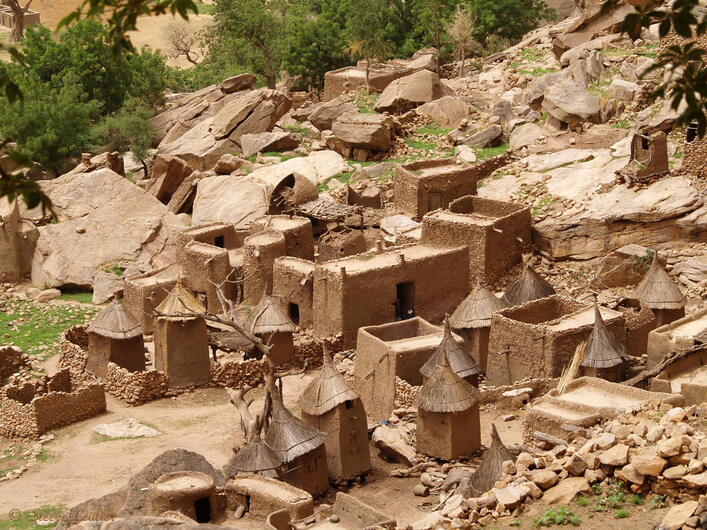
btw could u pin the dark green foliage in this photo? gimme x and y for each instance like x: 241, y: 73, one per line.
x: 128, y: 129
x: 508, y: 19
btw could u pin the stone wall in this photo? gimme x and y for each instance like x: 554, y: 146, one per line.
x: 12, y: 360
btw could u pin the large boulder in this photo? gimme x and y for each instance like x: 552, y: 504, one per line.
x: 254, y: 112
x: 252, y: 144
x: 411, y: 91
x: 103, y: 219
x: 373, y: 132
x: 323, y: 115
x: 568, y: 102
x: 447, y: 111
x: 237, y: 83
x: 525, y: 135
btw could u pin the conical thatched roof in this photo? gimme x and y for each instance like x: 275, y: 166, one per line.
x: 254, y: 457
x: 657, y: 289
x: 491, y: 468
x: 476, y: 310
x: 269, y: 317
x: 180, y: 302
x: 602, y: 349
x: 529, y: 286
x: 115, y: 322
x: 450, y: 351
x: 445, y: 391
x: 287, y: 435
x: 326, y: 391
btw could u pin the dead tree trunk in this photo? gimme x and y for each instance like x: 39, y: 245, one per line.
x: 18, y: 19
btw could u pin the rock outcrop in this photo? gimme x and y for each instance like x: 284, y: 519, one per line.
x: 411, y: 91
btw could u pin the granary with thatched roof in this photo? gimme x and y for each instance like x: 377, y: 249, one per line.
x: 448, y: 424
x: 527, y: 287
x: 270, y: 322
x: 300, y: 447
x: 491, y: 469
x: 181, y: 340
x: 115, y: 336
x: 659, y: 292
x: 330, y: 405
x: 604, y: 356
x: 472, y: 320
x: 463, y: 364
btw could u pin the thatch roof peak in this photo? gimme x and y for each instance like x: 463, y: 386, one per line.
x: 180, y: 301
x: 529, y: 286
x: 658, y: 290
x: 476, y: 310
x: 254, y: 457
x: 491, y: 468
x: 453, y: 354
x: 269, y: 317
x: 286, y: 434
x: 602, y: 349
x: 445, y: 391
x: 327, y: 390
x: 115, y: 322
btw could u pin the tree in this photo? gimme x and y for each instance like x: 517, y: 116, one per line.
x: 18, y: 18
x: 510, y: 19
x: 129, y: 129
x: 461, y: 30
x: 433, y: 17
x: 184, y: 41
x: 365, y: 34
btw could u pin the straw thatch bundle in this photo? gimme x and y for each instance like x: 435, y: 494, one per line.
x: 115, y: 322
x: 602, y: 350
x: 445, y: 391
x: 657, y: 289
x: 476, y: 310
x: 491, y: 468
x: 254, y: 457
x: 569, y: 373
x: 327, y: 391
x: 269, y: 317
x: 450, y: 351
x: 286, y: 434
x: 529, y: 286
x: 180, y: 301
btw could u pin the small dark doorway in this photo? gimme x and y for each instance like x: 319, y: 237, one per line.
x: 405, y: 301
x: 219, y: 241
x: 691, y: 133
x: 202, y: 507
x: 435, y: 201
x: 294, y: 313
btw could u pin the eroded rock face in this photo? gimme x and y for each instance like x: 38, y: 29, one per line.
x: 103, y: 219
x: 411, y: 91
x: 323, y: 115
x: 267, y: 141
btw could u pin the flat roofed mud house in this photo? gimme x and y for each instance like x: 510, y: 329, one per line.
x: 527, y: 287
x: 472, y: 320
x: 461, y: 362
x: 495, y: 233
x: 448, y: 424
x: 679, y: 335
x: 604, y: 356
x: 299, y: 446
x: 649, y: 158
x: 379, y: 287
x: 181, y: 340
x: 190, y: 493
x: 115, y: 336
x: 270, y: 322
x: 659, y: 292
x: 333, y: 407
x: 538, y: 339
x: 390, y: 351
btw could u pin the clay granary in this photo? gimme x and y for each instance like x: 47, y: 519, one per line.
x: 181, y: 340
x: 495, y: 233
x: 448, y: 423
x: 659, y: 292
x: 539, y: 338
x: 527, y: 287
x: 389, y: 352
x: 270, y: 322
x: 115, y: 336
x: 456, y: 355
x: 649, y: 158
x: 604, y: 356
x: 331, y: 406
x: 18, y: 239
x: 472, y: 320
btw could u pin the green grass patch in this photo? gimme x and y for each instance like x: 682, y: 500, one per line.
x: 622, y: 514
x: 538, y: 71
x: 658, y: 502
x: 433, y: 130
x: 81, y: 298
x: 582, y: 501
x: 678, y: 153
x: 621, y: 124
x: 419, y: 144
x: 532, y: 54
x: 362, y: 164
x: 561, y: 516
x: 635, y: 499
x: 44, y: 517
x: 365, y: 102
x: 296, y: 129
x: 35, y: 328
x: 205, y: 9
x: 490, y: 152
